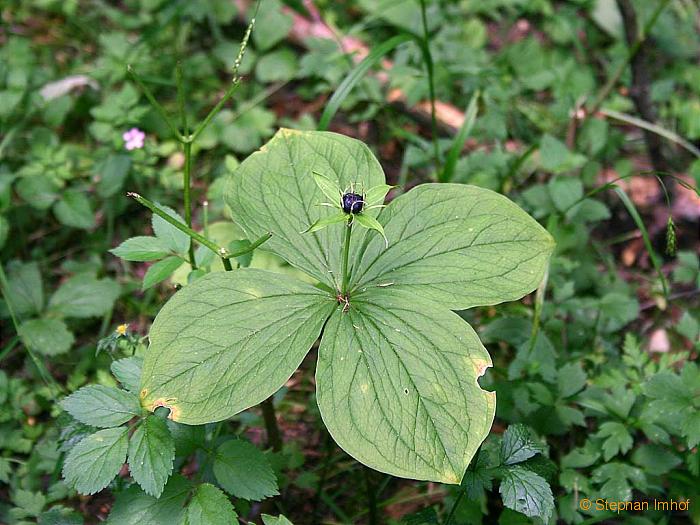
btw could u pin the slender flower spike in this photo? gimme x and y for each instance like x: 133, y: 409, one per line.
x: 350, y: 205
x: 134, y: 139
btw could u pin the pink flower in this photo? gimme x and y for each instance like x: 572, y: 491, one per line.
x: 134, y: 139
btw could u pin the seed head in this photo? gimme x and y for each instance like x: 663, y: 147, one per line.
x: 352, y: 203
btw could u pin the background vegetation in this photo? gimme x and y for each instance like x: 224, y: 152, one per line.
x: 585, y: 112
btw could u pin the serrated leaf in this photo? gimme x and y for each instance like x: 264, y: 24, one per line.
x: 96, y: 460
x: 142, y: 248
x: 128, y: 372
x: 618, y: 439
x: 459, y: 245
x: 396, y: 366
x: 210, y: 506
x: 60, y: 516
x: 275, y: 520
x: 244, y: 471
x: 212, y: 344
x: 151, y: 455
x: 518, y: 445
x: 134, y: 507
x: 85, y: 296
x: 174, y: 239
x: 101, y: 406
x: 527, y: 492
x: 273, y: 190
x: 47, y: 336
x: 160, y: 271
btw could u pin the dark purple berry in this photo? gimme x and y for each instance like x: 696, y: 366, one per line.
x: 352, y: 203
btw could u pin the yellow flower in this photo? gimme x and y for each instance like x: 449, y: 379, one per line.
x: 122, y: 328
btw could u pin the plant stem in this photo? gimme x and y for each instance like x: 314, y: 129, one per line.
x: 371, y: 497
x: 188, y: 197
x: 274, y: 438
x: 428, y: 58
x: 615, y: 77
x: 346, y: 253
x: 454, y: 507
x: 218, y: 250
x: 154, y: 102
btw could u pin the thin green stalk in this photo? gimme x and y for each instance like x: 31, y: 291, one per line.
x: 469, y: 118
x: 371, y: 497
x: 40, y: 366
x: 454, y: 507
x: 346, y: 253
x: 632, y: 210
x: 218, y: 250
x: 156, y: 105
x: 179, y: 81
x: 187, y: 194
x: 615, y: 77
x: 428, y: 59
x: 274, y: 437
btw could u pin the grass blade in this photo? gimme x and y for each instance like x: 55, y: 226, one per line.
x: 456, y: 148
x: 632, y: 210
x: 356, y: 75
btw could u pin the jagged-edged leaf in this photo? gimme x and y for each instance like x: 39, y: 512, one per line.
x: 210, y: 506
x: 460, y: 245
x: 151, y: 455
x: 128, y: 372
x: 46, y: 336
x: 518, y: 445
x: 135, y: 507
x: 274, y: 190
x: 244, y: 471
x: 397, y: 385
x: 101, y: 406
x: 228, y: 341
x: 92, y: 464
x: 527, y: 492
x: 142, y: 248
x: 174, y: 239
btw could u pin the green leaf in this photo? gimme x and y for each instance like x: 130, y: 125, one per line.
x: 277, y: 66
x: 85, y: 296
x: 459, y: 245
x: 134, y: 507
x: 93, y: 463
x: 143, y: 248
x: 228, y: 341
x: 371, y: 224
x: 244, y: 471
x: 275, y: 520
x: 527, y: 492
x: 25, y: 288
x: 210, y: 506
x: 46, y: 336
x: 151, y: 455
x: 655, y: 459
x: 618, y: 439
x: 101, y: 406
x: 377, y: 194
x: 160, y: 271
x: 112, y: 173
x: 272, y: 25
x: 60, y: 516
x: 571, y: 379
x: 273, y: 190
x: 128, y: 372
x: 396, y: 366
x: 327, y: 221
x: 329, y: 188
x: 518, y: 445
x: 174, y: 239
x: 74, y: 210
x: 38, y: 191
